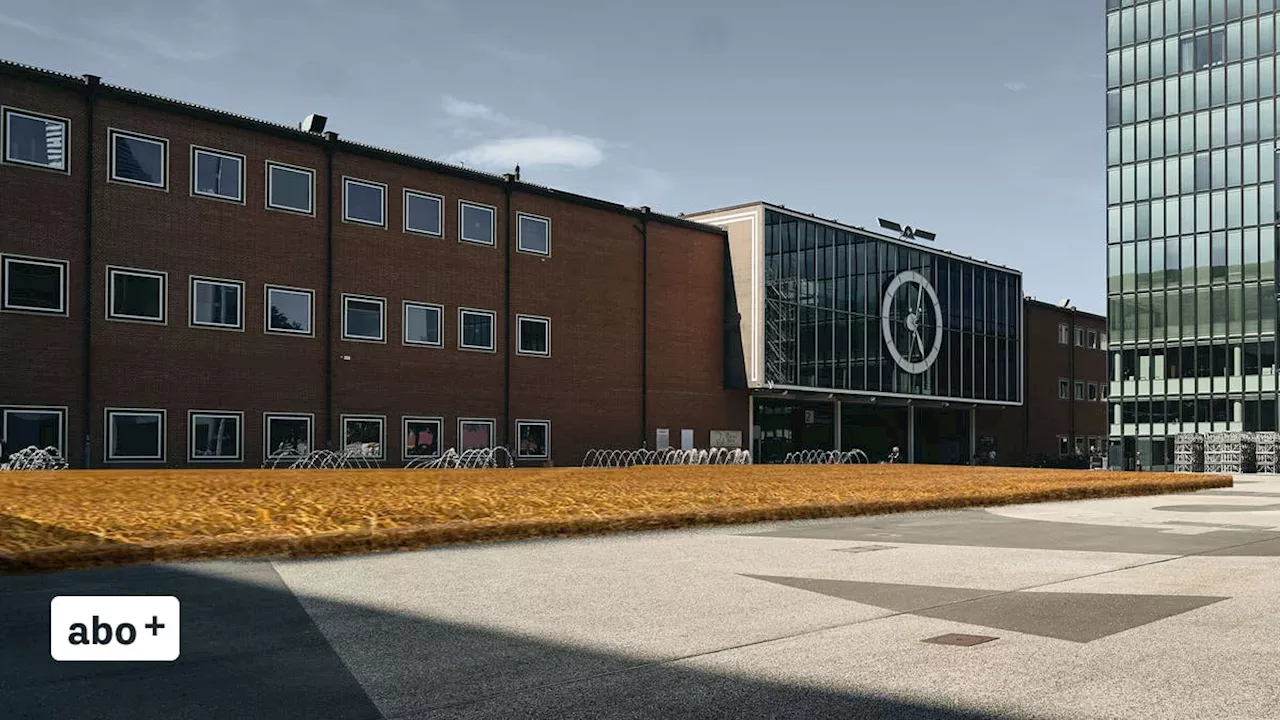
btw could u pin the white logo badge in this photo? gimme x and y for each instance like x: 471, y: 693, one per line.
x: 923, y: 315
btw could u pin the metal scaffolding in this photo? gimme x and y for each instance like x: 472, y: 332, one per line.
x: 781, y: 315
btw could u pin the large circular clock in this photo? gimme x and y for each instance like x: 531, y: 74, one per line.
x: 911, y: 318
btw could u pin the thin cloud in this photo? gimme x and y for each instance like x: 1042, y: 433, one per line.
x: 206, y: 35
x: 1014, y: 86
x: 56, y: 35
x: 567, y: 150
x: 466, y: 110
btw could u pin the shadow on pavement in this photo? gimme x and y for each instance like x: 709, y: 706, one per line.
x: 250, y: 650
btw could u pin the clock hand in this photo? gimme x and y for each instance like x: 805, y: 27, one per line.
x: 919, y: 341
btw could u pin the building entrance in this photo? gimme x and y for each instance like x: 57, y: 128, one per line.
x: 941, y: 435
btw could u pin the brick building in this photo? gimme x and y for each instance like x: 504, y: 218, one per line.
x: 184, y: 286
x: 1066, y: 393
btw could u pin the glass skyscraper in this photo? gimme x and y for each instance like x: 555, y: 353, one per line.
x: 1191, y: 200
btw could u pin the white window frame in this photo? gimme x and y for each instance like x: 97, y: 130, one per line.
x: 1064, y: 393
x: 311, y: 310
x: 1080, y: 337
x: 382, y: 332
x: 493, y: 223
x: 112, y: 134
x: 61, y: 411
x: 7, y: 110
x: 1064, y: 334
x: 493, y: 326
x: 347, y: 182
x: 267, y: 417
x: 191, y: 300
x: 162, y: 276
x: 309, y: 172
x: 439, y: 200
x: 382, y: 433
x: 404, y: 434
x: 520, y: 455
x: 1092, y: 341
x: 109, y: 435
x: 404, y: 331
x: 198, y: 150
x: 520, y: 320
x: 491, y: 422
x: 520, y: 218
x: 191, y: 431
x: 1080, y: 390
x: 1092, y: 392
x: 63, y: 265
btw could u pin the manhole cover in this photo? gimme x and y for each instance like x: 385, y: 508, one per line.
x: 959, y: 639
x: 865, y: 548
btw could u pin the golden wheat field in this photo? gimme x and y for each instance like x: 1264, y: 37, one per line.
x: 78, y: 518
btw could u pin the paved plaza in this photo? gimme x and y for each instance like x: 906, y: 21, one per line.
x: 1160, y: 606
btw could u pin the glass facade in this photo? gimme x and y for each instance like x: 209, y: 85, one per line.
x: 1191, y: 211
x: 953, y: 326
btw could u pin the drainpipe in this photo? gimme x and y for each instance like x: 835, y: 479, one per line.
x: 643, y: 229
x: 509, y: 184
x: 91, y: 83
x: 331, y: 140
x: 1071, y: 372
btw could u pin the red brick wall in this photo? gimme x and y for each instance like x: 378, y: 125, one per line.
x: 1026, y: 433
x: 591, y: 286
x: 42, y: 214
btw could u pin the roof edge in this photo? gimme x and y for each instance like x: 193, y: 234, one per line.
x: 159, y: 102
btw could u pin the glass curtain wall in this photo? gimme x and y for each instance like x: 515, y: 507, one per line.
x: 1191, y: 201
x: 824, y: 289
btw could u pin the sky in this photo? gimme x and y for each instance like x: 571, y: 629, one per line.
x: 979, y: 120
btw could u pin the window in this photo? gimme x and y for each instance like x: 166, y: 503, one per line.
x: 1204, y: 50
x: 24, y: 427
x: 533, y: 439
x: 215, y: 303
x: 36, y: 140
x: 474, y: 434
x: 363, y: 435
x: 535, y: 234
x: 286, y: 434
x: 364, y: 202
x: 364, y: 318
x: 1102, y: 341
x: 289, y: 310
x: 1064, y: 334
x: 1079, y: 389
x: 1079, y: 337
x: 1093, y: 340
x: 34, y: 285
x: 215, y: 436
x: 217, y: 174
x: 475, y: 329
x: 139, y: 159
x: 291, y: 188
x: 423, y: 213
x: 475, y: 222
x: 134, y: 434
x: 533, y: 335
x: 422, y: 324
x: 1064, y: 388
x: 1064, y: 446
x: 136, y: 295
x: 1093, y: 392
x: 423, y: 437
